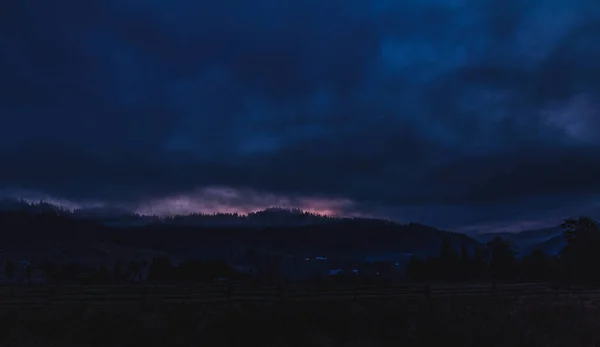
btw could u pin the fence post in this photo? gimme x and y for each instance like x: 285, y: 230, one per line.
x: 142, y: 298
x: 428, y: 298
x: 49, y: 296
x: 428, y: 292
x: 228, y: 292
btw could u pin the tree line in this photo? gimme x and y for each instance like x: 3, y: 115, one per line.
x: 159, y: 270
x: 497, y: 260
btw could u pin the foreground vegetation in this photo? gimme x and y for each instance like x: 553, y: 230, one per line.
x: 460, y: 321
x: 426, y: 319
x: 576, y: 263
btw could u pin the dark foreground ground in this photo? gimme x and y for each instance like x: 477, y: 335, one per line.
x: 453, y: 321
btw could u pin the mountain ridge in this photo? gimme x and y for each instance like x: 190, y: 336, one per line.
x: 327, y: 237
x: 271, y: 216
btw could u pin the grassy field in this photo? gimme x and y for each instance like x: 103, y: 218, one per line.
x: 43, y: 295
x: 40, y: 295
x: 451, y: 321
x: 402, y: 320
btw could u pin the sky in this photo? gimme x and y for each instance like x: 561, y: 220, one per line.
x: 469, y: 115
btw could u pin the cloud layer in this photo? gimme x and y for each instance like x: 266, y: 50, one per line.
x: 394, y: 107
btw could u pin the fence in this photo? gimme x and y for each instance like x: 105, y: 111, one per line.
x: 44, y: 295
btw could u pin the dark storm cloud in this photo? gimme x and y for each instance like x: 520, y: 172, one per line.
x: 385, y: 103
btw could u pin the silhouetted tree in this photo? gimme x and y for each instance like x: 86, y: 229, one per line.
x: 448, y: 266
x: 102, y: 275
x: 465, y: 264
x: 160, y: 270
x: 582, y: 229
x: 49, y: 270
x: 535, y: 265
x: 581, y: 254
x: 71, y: 271
x: 28, y: 272
x: 118, y: 271
x: 193, y: 271
x: 135, y: 269
x: 479, y: 264
x: 502, y: 262
x: 273, y: 264
x: 415, y: 269
x: 9, y: 269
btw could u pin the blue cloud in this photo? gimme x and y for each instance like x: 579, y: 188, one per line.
x: 386, y: 104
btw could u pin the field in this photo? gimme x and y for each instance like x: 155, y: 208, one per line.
x: 37, y: 295
x: 473, y: 315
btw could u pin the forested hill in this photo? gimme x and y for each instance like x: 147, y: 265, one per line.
x: 343, y: 237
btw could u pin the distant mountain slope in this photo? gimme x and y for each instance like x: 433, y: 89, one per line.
x: 331, y: 237
x: 345, y: 239
x: 549, y: 240
x: 551, y: 246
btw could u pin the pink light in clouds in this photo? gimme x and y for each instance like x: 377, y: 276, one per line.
x: 243, y: 201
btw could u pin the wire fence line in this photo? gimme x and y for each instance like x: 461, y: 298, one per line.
x: 109, y: 294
